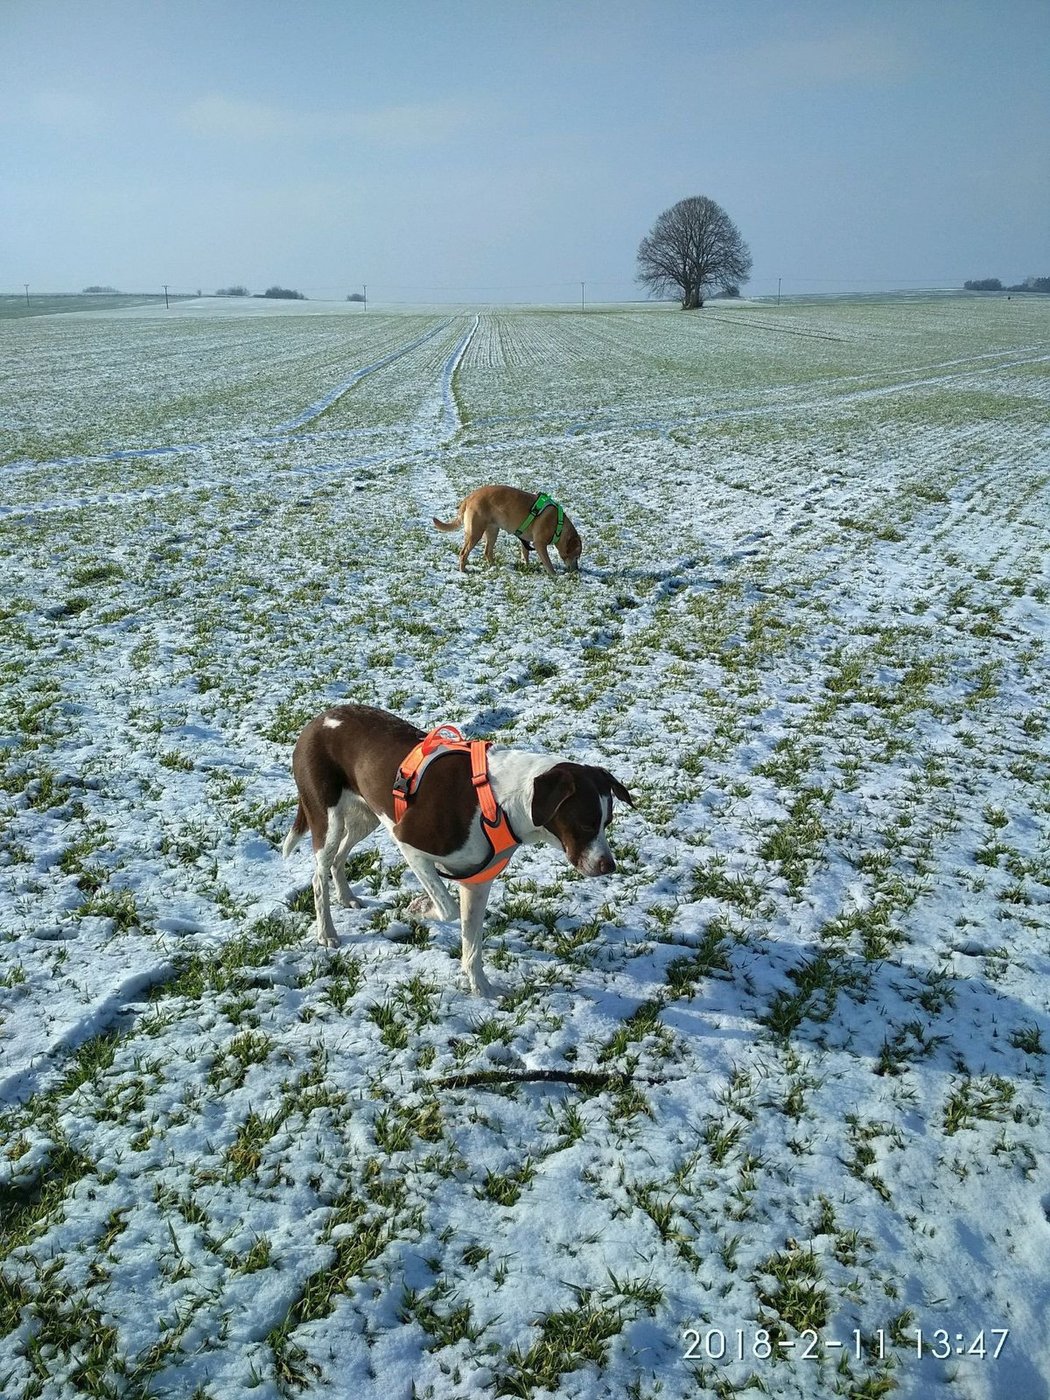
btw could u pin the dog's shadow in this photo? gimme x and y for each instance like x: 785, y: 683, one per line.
x: 497, y: 717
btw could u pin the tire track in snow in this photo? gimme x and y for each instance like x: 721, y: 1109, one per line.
x: 436, y: 424
x: 451, y: 418
x: 316, y: 409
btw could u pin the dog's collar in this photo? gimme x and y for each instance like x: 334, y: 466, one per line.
x: 495, y: 826
x: 541, y: 503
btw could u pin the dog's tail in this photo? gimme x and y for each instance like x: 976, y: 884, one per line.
x: 449, y: 525
x: 296, y: 832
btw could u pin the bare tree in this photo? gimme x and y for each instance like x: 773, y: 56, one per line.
x: 693, y: 247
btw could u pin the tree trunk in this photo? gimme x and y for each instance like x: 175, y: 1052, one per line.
x: 691, y: 299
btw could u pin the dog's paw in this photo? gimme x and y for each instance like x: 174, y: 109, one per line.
x: 346, y: 897
x: 480, y: 986
x: 328, y: 940
x: 424, y: 908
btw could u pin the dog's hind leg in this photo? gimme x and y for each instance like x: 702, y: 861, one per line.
x: 490, y: 543
x: 359, y: 821
x: 324, y: 855
x: 472, y: 532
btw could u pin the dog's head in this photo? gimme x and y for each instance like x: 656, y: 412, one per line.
x: 570, y: 547
x: 574, y: 802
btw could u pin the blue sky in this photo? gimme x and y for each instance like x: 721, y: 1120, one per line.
x: 508, y: 150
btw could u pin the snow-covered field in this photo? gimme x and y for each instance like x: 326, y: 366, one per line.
x: 764, y: 1113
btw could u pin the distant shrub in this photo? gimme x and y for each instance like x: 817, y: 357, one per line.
x: 356, y: 296
x: 101, y: 291
x: 284, y: 294
x: 992, y: 284
x: 237, y: 291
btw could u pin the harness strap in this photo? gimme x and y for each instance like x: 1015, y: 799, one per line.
x: 540, y: 505
x: 502, y: 845
x: 479, y: 776
x: 446, y: 738
x: 495, y: 827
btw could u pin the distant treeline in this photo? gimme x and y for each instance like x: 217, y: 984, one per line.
x: 280, y: 293
x: 992, y: 284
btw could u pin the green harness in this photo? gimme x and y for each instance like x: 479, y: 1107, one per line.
x: 541, y: 504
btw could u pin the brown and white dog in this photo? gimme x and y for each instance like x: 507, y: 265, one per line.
x: 345, y: 765
x: 490, y: 509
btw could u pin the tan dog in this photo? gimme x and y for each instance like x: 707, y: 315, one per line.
x: 490, y: 509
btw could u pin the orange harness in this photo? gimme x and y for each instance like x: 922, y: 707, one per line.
x: 446, y: 738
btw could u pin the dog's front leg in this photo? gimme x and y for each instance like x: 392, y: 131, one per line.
x: 440, y: 905
x: 472, y: 902
x: 545, y: 559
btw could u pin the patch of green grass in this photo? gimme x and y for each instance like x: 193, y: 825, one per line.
x: 504, y: 1188
x: 445, y: 1322
x: 568, y: 1340
x: 229, y: 970
x: 642, y: 1022
x: 27, y: 1203
x: 860, y: 1136
x: 355, y: 1249
x: 118, y: 905
x: 397, y: 1129
x: 817, y: 981
x: 393, y: 1030
x: 722, y: 1137
x: 790, y: 1283
x: 244, y: 1050
x: 344, y: 975
x: 981, y: 1097
x: 244, y: 1156
x: 68, y: 1335
x: 796, y: 843
x: 45, y: 790
x: 714, y: 881
x: 85, y: 574
x: 177, y: 762
x: 1029, y: 1039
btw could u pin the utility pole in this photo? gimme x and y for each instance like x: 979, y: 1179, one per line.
x: 778, y: 291
x: 165, y: 294
x: 364, y: 293
x: 583, y: 296
x: 26, y: 285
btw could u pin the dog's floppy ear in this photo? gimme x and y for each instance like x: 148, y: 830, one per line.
x: 618, y: 789
x: 549, y: 791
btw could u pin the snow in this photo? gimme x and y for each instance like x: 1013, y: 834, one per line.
x: 810, y: 637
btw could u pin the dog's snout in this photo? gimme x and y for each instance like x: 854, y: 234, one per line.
x: 604, y: 865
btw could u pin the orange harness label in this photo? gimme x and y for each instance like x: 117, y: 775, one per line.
x: 446, y: 738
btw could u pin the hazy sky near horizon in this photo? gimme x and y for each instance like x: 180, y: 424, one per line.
x: 506, y: 150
